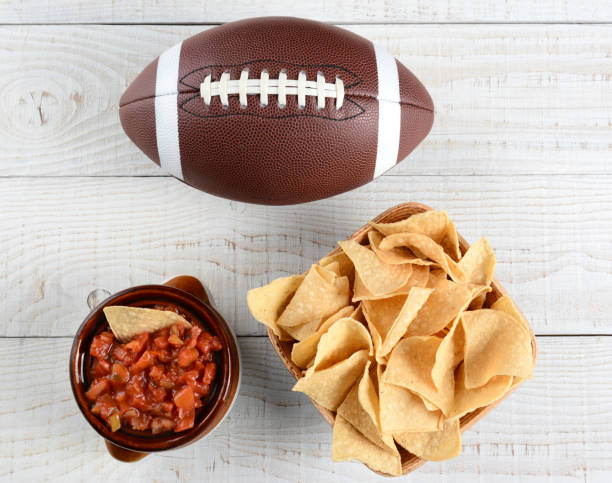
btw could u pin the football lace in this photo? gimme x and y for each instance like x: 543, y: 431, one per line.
x: 264, y: 87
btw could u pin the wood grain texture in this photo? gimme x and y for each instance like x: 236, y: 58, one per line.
x: 510, y: 99
x: 63, y: 237
x: 411, y: 11
x: 274, y: 434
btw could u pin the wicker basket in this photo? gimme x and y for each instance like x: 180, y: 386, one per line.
x: 410, y: 462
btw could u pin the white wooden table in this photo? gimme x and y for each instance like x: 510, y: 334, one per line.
x: 521, y: 152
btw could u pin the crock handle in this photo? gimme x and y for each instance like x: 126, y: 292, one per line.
x: 122, y: 454
x: 190, y: 284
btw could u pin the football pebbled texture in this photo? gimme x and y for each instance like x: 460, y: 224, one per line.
x: 276, y: 111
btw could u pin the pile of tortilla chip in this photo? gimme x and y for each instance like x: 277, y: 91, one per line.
x: 393, y: 337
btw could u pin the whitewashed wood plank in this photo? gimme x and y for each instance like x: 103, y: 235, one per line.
x: 411, y: 11
x: 509, y: 98
x: 555, y: 426
x: 63, y: 237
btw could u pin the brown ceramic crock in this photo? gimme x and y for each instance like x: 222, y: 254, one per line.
x: 189, y: 294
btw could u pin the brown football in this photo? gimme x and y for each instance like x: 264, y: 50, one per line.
x: 276, y: 111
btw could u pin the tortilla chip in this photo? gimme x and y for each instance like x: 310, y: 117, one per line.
x: 348, y: 444
x: 435, y: 224
x: 304, y: 352
x: 478, y: 264
x: 467, y: 400
x: 340, y: 360
x: 415, y: 302
x: 395, y: 256
x: 418, y: 278
x: 450, y: 242
x: 345, y: 266
x: 436, y: 277
x: 425, y: 246
x: 378, y: 277
x: 357, y: 314
x: 352, y: 410
x: 320, y: 295
x: 376, y: 338
x: 310, y: 301
x: 429, y: 405
x: 341, y: 291
x: 328, y: 387
x: 268, y: 302
x: 345, y: 337
x: 444, y: 304
x: 367, y: 393
x: 410, y: 366
x: 449, y: 355
x: 431, y: 223
x: 506, y: 304
x: 496, y: 344
x: 403, y: 411
x: 434, y: 446
x: 380, y: 315
x: 127, y: 322
x: 328, y: 272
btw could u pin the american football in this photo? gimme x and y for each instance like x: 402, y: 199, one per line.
x: 276, y: 111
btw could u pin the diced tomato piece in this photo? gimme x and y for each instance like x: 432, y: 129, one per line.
x: 137, y: 344
x: 141, y: 422
x: 184, y: 401
x: 147, y: 359
x: 100, y: 368
x: 135, y: 391
x: 187, y: 356
x: 166, y: 408
x: 121, y: 355
x: 189, y: 376
x: 157, y: 393
x: 185, y: 422
x: 144, y: 405
x: 131, y: 412
x: 98, y: 387
x: 156, y: 373
x: 204, y: 345
x: 120, y: 373
x: 172, y: 373
x: 209, y: 373
x: 216, y: 344
x: 161, y: 425
x: 123, y: 407
x: 161, y: 342
x: 193, y: 336
x: 104, y: 406
x: 181, y: 328
x: 175, y: 340
x: 100, y: 345
x: 199, y: 389
x: 164, y: 355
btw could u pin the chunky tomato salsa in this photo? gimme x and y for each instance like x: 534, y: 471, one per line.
x: 154, y: 382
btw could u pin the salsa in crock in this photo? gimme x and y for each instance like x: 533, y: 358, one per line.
x: 154, y: 382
